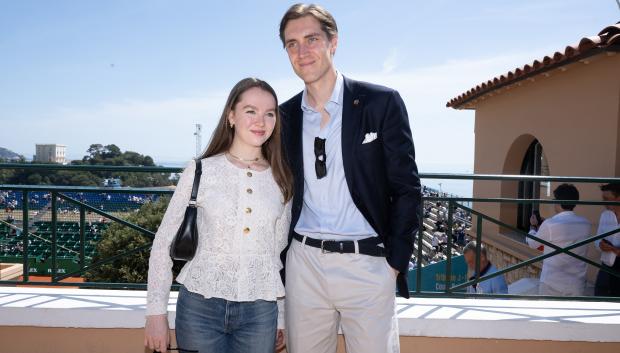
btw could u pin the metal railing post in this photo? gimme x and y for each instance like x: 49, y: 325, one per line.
x: 478, y: 245
x: 25, y: 232
x: 82, y: 237
x: 54, y: 235
x: 418, y: 273
x: 449, y: 247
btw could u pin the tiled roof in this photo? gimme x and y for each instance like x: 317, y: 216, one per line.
x: 607, y: 40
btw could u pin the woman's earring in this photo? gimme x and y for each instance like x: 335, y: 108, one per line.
x: 232, y: 125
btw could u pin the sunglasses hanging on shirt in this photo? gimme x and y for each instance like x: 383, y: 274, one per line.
x: 320, y: 165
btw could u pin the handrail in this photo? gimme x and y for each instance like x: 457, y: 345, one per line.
x: 91, y: 168
x: 462, y: 176
x: 60, y: 192
x: 100, y: 189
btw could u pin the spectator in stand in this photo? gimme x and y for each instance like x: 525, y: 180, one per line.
x: 607, y: 284
x: 460, y: 236
x: 443, y: 240
x: 495, y: 285
x: 440, y: 226
x: 435, y: 242
x: 454, y: 233
x: 562, y: 274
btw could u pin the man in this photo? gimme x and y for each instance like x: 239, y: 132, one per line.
x: 435, y: 242
x: 562, y: 275
x: 460, y: 235
x: 608, y: 285
x: 495, y: 285
x: 357, y: 197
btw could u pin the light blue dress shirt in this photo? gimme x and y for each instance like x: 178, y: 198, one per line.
x: 495, y: 285
x: 328, y: 210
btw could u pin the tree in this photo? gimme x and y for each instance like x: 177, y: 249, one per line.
x: 34, y: 179
x: 96, y: 154
x: 119, y: 238
x: 111, y: 151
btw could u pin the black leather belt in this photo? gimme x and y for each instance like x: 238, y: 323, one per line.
x: 367, y: 246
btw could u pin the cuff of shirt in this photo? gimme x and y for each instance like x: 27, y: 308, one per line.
x: 281, y: 320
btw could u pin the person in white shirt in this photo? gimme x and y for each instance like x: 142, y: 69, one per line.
x: 608, y: 285
x: 562, y: 275
x: 231, y: 298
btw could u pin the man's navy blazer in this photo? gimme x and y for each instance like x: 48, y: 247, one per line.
x: 382, y: 175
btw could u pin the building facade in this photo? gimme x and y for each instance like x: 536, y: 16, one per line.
x: 50, y: 153
x: 557, y: 116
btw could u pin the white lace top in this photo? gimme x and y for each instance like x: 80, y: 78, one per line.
x: 242, y: 226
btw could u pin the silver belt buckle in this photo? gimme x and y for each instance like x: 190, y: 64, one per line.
x: 327, y: 251
x: 323, y: 249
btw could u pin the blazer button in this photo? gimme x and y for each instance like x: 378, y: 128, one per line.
x: 246, y: 230
x: 249, y: 191
x: 248, y: 210
x: 250, y: 174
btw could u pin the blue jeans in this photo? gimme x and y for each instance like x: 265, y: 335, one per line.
x: 217, y: 325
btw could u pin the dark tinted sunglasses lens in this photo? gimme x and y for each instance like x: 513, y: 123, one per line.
x: 320, y: 168
x: 319, y: 146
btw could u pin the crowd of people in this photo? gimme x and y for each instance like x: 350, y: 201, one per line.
x: 38, y: 200
x: 563, y: 274
x: 7, y: 246
x: 436, y: 221
x: 7, y: 201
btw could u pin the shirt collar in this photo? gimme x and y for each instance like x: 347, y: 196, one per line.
x: 482, y: 273
x: 566, y: 213
x: 335, y: 98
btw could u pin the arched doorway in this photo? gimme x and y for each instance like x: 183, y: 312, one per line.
x: 534, y: 163
x: 526, y: 156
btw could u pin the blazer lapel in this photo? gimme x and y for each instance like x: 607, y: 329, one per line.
x: 351, y: 119
x: 295, y: 140
x: 353, y: 103
x: 296, y: 158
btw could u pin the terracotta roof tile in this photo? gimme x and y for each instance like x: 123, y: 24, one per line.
x: 608, y: 37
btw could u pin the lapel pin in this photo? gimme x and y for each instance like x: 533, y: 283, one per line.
x: 356, y: 101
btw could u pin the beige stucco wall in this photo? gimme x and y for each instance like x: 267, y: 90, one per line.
x: 574, y: 112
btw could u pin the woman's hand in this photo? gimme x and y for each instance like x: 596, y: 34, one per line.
x: 280, y: 341
x: 157, y: 333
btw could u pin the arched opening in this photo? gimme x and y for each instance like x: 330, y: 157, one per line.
x: 534, y: 163
x: 524, y: 157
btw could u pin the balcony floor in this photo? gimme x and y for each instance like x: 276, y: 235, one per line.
x: 422, y: 321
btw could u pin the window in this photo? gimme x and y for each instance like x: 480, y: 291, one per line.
x: 534, y: 163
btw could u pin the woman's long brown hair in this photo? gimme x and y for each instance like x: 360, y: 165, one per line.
x: 223, y: 136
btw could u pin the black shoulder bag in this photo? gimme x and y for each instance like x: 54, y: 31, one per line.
x: 185, y: 242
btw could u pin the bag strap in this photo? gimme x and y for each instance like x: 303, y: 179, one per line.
x: 198, y: 173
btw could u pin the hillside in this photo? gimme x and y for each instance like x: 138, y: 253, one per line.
x: 7, y: 154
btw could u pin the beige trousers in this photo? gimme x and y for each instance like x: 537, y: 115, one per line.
x: 328, y: 290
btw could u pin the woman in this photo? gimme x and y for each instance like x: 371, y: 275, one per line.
x: 228, y: 299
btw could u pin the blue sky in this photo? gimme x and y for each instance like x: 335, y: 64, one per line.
x: 140, y: 74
